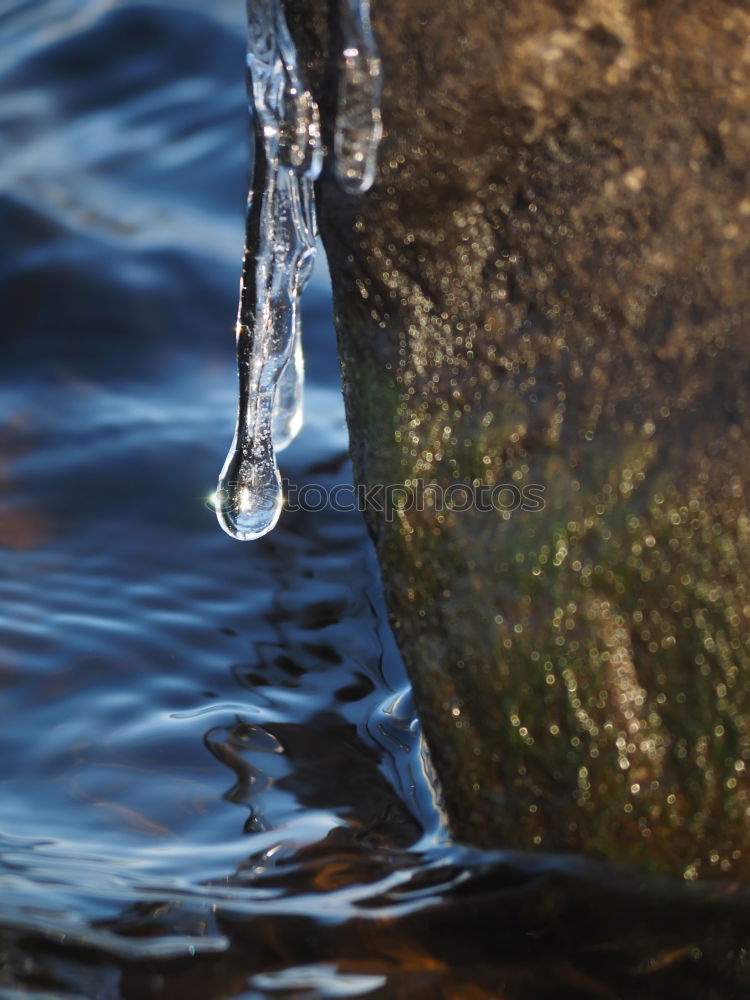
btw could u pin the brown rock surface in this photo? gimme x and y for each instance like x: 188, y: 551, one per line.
x: 549, y: 284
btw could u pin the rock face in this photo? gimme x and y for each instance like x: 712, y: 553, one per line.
x: 548, y: 289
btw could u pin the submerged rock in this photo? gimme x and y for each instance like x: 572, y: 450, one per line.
x: 548, y: 288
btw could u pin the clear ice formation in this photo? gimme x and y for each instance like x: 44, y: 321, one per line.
x: 280, y: 244
x: 358, y: 122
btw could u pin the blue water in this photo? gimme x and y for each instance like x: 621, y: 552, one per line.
x: 212, y: 782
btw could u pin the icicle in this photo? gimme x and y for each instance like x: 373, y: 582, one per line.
x: 358, y: 122
x: 278, y: 260
x: 286, y: 422
x: 300, y: 122
x: 280, y: 244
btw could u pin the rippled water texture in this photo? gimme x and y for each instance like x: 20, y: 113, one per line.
x: 211, y: 781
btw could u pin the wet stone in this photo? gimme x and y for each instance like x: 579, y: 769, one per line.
x: 544, y: 301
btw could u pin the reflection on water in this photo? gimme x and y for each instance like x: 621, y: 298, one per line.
x: 211, y: 778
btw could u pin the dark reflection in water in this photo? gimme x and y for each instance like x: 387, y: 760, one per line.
x: 211, y: 778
